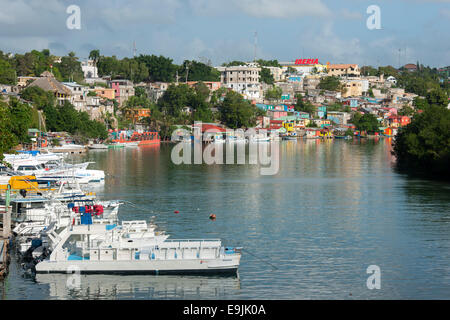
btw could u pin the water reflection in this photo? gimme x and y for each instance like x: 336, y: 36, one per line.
x: 138, y: 287
x: 333, y: 209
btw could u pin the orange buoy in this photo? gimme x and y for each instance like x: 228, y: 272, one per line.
x: 212, y: 216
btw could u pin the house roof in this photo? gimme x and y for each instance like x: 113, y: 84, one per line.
x: 210, y: 127
x: 49, y: 83
x: 342, y: 66
x: 410, y: 66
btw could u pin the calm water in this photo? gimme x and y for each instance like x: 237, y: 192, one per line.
x: 334, y: 208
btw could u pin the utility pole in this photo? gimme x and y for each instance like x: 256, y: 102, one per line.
x: 256, y: 43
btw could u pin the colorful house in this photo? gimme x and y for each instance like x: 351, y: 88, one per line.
x: 312, y: 133
x: 275, y: 114
x: 107, y: 93
x: 322, y: 112
x: 398, y: 121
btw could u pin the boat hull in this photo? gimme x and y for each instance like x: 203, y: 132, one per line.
x: 139, y: 143
x: 136, y: 267
x: 149, y: 142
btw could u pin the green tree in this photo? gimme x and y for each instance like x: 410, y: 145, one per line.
x: 266, y: 76
x: 268, y: 63
x: 437, y: 97
x: 274, y: 93
x: 197, y: 71
x: 233, y: 63
x: 38, y: 97
x: 95, y: 56
x: 175, y: 99
x: 7, y: 139
x: 70, y: 68
x: 367, y: 122
x: 21, y: 116
x: 369, y: 71
x: 303, y: 106
x: 7, y: 73
x: 406, y: 110
x: 235, y: 112
x: 388, y: 71
x: 330, y: 83
x: 108, y: 66
x: 32, y: 63
x: 424, y: 144
x: 159, y: 68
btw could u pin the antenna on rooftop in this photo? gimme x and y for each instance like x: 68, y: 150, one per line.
x: 134, y: 49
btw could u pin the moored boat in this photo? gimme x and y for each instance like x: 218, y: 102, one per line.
x: 134, y: 137
x: 107, y: 249
x: 98, y: 147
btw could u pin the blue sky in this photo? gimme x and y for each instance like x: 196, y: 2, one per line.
x: 222, y: 30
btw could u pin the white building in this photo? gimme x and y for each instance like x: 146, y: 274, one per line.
x: 392, y: 80
x: 79, y: 94
x: 304, y: 68
x: 277, y: 73
x: 242, y: 79
x: 89, y: 69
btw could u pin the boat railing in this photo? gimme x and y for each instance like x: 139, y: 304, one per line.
x: 201, y: 242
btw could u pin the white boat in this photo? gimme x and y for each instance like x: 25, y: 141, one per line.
x: 68, y: 147
x: 259, y: 138
x: 236, y: 139
x: 36, y: 223
x: 57, y: 171
x: 106, y: 249
x: 98, y: 146
x: 218, y: 139
x: 133, y: 144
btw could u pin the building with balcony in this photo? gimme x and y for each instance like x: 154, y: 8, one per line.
x: 344, y: 70
x: 242, y: 79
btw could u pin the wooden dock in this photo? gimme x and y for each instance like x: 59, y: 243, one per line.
x: 69, y: 150
x: 5, y: 233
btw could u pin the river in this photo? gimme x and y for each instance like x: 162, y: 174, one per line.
x: 309, y: 232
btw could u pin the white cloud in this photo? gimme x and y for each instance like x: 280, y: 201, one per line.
x: 31, y: 18
x: 283, y: 8
x: 119, y: 14
x: 327, y: 44
x: 347, y: 14
x: 261, y: 8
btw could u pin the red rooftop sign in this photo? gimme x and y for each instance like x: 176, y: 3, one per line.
x: 306, y: 61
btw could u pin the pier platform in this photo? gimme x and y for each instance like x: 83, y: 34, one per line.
x: 69, y: 150
x: 5, y: 233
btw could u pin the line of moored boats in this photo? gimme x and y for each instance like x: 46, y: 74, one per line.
x: 60, y: 227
